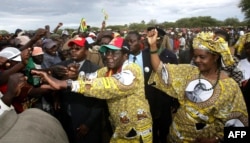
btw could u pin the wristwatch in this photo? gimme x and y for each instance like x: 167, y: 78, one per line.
x: 69, y: 84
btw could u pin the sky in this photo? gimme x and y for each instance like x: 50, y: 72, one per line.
x: 34, y: 14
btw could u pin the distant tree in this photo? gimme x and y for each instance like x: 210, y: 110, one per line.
x: 137, y: 26
x: 245, y: 8
x: 231, y: 22
x: 152, y: 22
x: 115, y: 27
x: 3, y: 32
x: 143, y: 22
x: 168, y: 24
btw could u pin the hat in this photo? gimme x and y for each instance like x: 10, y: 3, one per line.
x: 80, y: 41
x: 207, y: 40
x: 21, y: 33
x: 48, y: 43
x: 90, y: 40
x: 22, y: 40
x: 37, y: 51
x: 92, y: 34
x: 116, y: 34
x: 116, y: 44
x: 65, y: 32
x: 11, y: 53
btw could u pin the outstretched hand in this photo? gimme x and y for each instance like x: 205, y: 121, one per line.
x: 53, y: 83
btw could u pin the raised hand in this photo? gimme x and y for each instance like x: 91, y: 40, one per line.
x: 39, y: 33
x: 152, y: 37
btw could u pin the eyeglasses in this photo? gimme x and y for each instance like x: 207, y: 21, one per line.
x: 76, y: 49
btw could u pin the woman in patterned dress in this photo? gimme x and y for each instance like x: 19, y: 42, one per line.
x: 220, y: 103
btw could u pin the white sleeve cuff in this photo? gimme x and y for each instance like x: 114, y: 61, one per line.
x: 4, y: 107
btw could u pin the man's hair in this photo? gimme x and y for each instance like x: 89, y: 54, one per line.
x: 135, y: 33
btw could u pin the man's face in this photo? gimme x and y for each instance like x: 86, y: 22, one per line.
x: 114, y: 59
x: 78, y: 53
x: 52, y: 51
x: 38, y: 59
x: 134, y: 43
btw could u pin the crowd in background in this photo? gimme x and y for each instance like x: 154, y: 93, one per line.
x: 87, y: 119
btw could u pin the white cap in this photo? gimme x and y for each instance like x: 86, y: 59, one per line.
x: 11, y: 53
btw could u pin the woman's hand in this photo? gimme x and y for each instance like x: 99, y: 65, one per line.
x: 152, y: 37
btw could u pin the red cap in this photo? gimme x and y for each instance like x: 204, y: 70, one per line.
x: 78, y: 41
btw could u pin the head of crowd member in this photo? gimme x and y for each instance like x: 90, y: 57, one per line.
x: 37, y: 55
x: 21, y: 40
x: 105, y: 37
x: 134, y: 41
x: 116, y: 53
x: 78, y: 49
x: 210, y: 52
x: 17, y: 31
x: 13, y: 55
x: 161, y: 34
x: 223, y: 34
x: 92, y: 35
x: 50, y: 47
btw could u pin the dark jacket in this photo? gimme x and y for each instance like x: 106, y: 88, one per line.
x: 83, y: 110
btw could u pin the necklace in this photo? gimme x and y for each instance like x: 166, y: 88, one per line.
x: 203, y: 88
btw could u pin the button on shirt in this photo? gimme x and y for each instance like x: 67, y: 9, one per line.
x: 138, y: 60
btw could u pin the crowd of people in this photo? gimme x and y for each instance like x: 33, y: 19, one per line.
x: 155, y: 86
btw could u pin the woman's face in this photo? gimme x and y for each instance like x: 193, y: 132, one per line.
x: 205, y: 60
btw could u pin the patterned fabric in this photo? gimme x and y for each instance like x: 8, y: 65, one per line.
x: 128, y: 107
x: 241, y: 42
x: 215, y: 44
x: 200, y: 119
x: 234, y: 72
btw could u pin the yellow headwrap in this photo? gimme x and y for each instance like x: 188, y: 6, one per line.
x: 214, y: 44
x: 241, y: 42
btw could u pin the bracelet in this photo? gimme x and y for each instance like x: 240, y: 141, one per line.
x: 153, y: 52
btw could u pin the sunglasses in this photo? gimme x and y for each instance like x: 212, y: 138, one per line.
x: 76, y: 49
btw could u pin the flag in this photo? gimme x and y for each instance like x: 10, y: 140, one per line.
x: 83, y: 25
x: 105, y: 14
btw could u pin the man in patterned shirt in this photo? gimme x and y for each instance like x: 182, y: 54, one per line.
x: 121, y: 83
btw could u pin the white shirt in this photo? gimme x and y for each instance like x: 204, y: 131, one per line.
x: 137, y: 61
x: 4, y: 107
x: 244, y: 66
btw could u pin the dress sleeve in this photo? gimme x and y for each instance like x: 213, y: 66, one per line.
x: 171, y: 78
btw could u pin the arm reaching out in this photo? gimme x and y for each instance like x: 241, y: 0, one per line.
x: 53, y: 83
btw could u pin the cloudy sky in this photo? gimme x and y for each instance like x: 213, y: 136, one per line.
x: 33, y: 14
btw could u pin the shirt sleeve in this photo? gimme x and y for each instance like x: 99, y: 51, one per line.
x: 4, y: 107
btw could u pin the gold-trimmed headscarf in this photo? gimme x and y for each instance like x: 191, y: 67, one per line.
x: 207, y: 40
x: 241, y: 42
